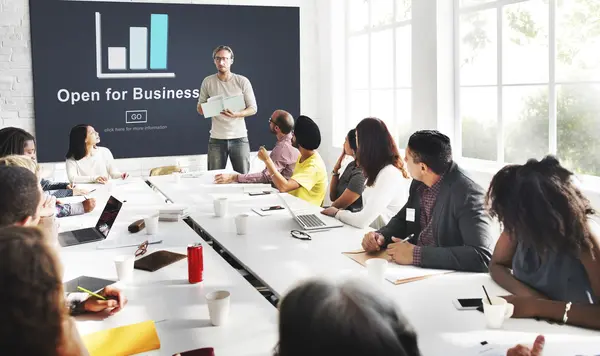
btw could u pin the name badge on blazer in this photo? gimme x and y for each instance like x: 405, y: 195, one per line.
x: 410, y: 214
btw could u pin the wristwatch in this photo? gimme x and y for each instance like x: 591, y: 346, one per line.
x: 335, y: 173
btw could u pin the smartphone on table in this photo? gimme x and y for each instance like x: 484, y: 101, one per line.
x: 270, y: 208
x: 255, y: 194
x: 467, y: 303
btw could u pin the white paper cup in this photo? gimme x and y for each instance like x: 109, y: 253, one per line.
x: 177, y: 177
x: 124, y: 265
x: 497, y: 312
x: 218, y: 306
x: 241, y: 224
x: 376, y: 268
x: 110, y: 185
x: 220, y: 206
x: 151, y: 223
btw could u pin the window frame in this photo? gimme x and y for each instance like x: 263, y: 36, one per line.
x: 368, y: 30
x: 552, y: 84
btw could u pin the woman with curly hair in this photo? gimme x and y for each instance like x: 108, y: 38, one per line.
x: 548, y: 254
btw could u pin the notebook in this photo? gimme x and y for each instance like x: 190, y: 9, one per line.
x: 90, y: 283
x: 123, y: 341
x: 395, y: 273
x: 157, y: 260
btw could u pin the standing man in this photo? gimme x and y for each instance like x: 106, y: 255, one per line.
x: 284, y: 155
x: 228, y: 134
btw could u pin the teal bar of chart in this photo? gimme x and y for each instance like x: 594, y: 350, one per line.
x: 159, y: 33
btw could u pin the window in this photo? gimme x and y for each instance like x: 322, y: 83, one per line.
x: 529, y: 81
x: 378, y: 65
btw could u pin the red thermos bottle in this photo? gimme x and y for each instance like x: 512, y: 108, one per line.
x: 195, y: 263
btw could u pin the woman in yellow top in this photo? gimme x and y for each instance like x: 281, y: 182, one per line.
x: 309, y: 179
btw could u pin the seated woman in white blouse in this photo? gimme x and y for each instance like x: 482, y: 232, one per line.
x: 86, y: 162
x: 387, y: 186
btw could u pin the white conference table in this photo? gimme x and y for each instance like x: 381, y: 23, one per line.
x: 165, y: 296
x: 280, y: 261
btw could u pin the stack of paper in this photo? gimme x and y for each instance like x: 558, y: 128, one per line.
x: 395, y: 273
x: 216, y: 104
x: 172, y: 213
x: 193, y: 174
x: 399, y: 274
x: 260, y: 212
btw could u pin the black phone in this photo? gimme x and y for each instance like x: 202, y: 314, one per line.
x: 276, y: 207
x: 253, y: 194
x: 207, y: 351
x: 468, y: 304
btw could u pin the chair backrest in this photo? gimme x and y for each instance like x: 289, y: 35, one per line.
x: 165, y: 170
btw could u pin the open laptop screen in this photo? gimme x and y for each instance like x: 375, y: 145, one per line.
x: 109, y: 215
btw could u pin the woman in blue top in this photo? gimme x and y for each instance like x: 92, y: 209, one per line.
x: 548, y: 255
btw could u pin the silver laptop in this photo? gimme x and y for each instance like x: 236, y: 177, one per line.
x: 97, y: 233
x: 310, y: 221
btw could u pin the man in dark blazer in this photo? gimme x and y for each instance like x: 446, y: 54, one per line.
x: 444, y: 224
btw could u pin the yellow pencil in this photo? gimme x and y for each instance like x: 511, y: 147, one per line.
x: 91, y: 293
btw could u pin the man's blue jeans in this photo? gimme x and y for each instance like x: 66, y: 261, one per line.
x: 237, y: 149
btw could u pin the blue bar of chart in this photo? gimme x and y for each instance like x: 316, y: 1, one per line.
x: 138, y: 48
x: 159, y: 29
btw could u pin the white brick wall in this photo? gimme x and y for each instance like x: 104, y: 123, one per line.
x: 16, y: 90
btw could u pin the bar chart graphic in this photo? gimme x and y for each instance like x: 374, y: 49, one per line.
x: 138, y: 65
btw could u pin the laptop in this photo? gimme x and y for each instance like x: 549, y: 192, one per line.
x: 97, y: 233
x: 310, y: 221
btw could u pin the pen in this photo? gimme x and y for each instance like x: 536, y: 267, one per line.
x: 91, y: 293
x: 408, y: 237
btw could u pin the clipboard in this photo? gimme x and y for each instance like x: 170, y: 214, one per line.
x: 395, y: 273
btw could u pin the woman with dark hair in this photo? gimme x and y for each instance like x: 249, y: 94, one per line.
x: 345, y: 190
x: 36, y: 321
x: 16, y: 141
x: 318, y: 318
x: 385, y: 193
x: 548, y: 255
x: 87, y: 162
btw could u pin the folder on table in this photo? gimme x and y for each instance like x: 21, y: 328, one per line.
x: 123, y: 341
x: 396, y: 273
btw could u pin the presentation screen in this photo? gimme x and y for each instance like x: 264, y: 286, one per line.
x: 133, y: 71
